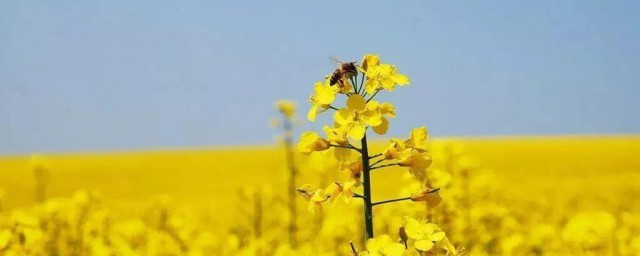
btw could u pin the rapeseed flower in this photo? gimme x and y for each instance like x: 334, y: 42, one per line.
x: 425, y: 234
x: 383, y: 245
x: 311, y: 141
x: 383, y: 76
x: 355, y: 118
x: 323, y: 95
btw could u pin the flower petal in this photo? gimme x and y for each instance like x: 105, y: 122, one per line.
x: 388, y: 109
x: 400, y: 79
x: 356, y: 103
x: 313, y: 111
x: 356, y: 130
x: 437, y: 236
x: 371, y: 118
x: 382, y: 128
x: 343, y: 116
x: 424, y: 245
x: 371, y: 85
x: 325, y: 94
x: 341, y: 154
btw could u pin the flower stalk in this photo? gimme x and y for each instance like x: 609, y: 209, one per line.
x: 391, y: 201
x: 366, y: 183
x: 287, y: 109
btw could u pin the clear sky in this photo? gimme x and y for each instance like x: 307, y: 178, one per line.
x: 129, y: 75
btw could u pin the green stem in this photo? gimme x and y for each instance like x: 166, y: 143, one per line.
x: 364, y: 76
x: 377, y: 162
x: 391, y: 201
x: 382, y: 166
x: 354, y: 82
x: 374, y: 156
x: 374, y: 94
x: 349, y: 147
x: 355, y: 88
x: 368, y: 207
x: 355, y: 195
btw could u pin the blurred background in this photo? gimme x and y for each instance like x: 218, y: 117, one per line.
x: 162, y: 108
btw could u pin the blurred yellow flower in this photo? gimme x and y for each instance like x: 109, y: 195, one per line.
x: 286, y: 107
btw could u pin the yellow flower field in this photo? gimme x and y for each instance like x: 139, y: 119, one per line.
x: 509, y: 196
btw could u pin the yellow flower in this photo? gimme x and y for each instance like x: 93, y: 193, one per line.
x: 394, y: 149
x: 430, y: 196
x: 355, y: 118
x: 315, y: 203
x: 311, y: 141
x: 335, y: 190
x: 323, y: 95
x: 386, y: 110
x: 425, y: 234
x: 315, y: 198
x: 416, y: 161
x: 383, y: 76
x: 338, y: 137
x: 343, y: 86
x: 306, y: 191
x: 354, y: 169
x: 286, y: 107
x: 383, y: 245
x: 368, y: 61
x: 418, y: 139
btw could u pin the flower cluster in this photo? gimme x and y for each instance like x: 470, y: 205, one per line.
x: 360, y: 111
x: 411, y: 152
x: 348, y: 134
x: 350, y: 122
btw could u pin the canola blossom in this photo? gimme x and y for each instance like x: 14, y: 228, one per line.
x: 349, y: 133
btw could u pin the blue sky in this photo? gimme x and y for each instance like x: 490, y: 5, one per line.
x: 128, y: 75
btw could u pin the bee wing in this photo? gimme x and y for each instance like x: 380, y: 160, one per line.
x: 335, y: 59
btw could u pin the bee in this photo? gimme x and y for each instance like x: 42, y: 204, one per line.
x: 344, y: 70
